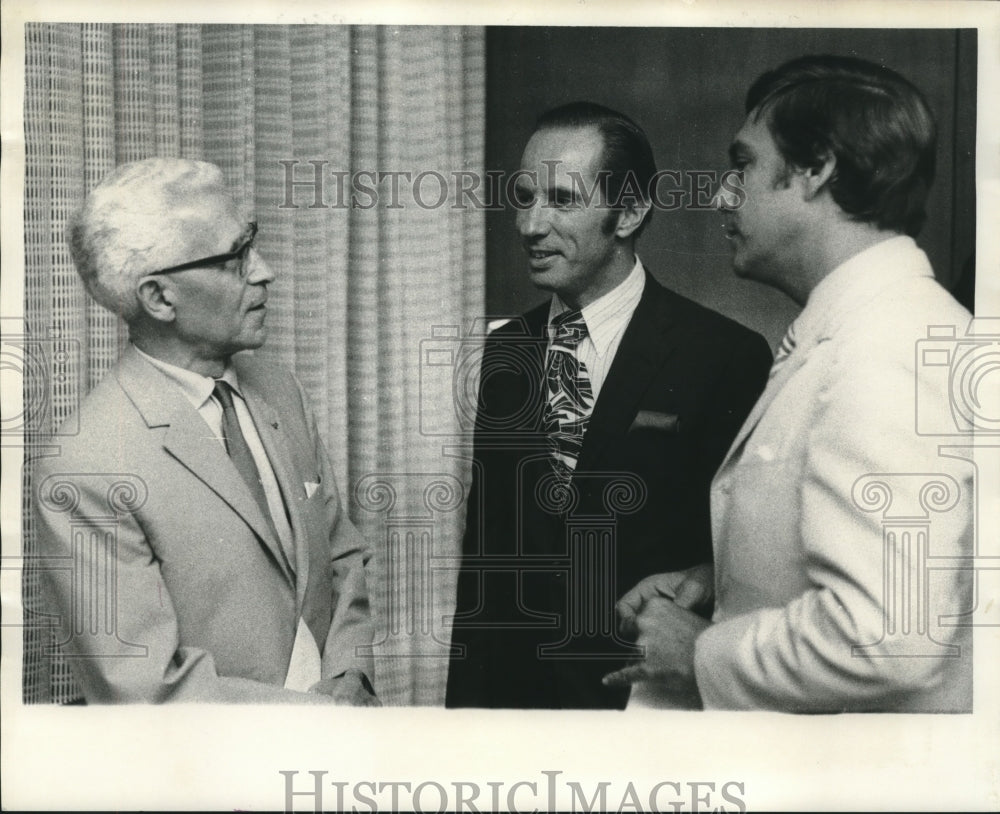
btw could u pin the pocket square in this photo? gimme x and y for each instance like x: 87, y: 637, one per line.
x: 311, y: 487
x: 654, y: 420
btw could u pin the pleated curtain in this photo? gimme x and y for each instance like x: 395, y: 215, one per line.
x: 360, y: 289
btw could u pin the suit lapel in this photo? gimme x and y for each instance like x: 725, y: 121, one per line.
x: 643, y: 350
x: 519, y: 362
x: 537, y: 325
x: 188, y: 438
x: 774, y: 386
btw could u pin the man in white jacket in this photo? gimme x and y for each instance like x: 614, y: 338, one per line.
x: 836, y: 525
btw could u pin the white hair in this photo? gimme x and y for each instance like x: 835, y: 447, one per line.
x: 132, y: 223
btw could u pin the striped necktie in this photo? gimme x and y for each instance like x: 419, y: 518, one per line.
x: 784, y: 350
x: 570, y: 395
x: 239, y: 451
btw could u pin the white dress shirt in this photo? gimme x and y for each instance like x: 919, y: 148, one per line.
x: 607, y: 317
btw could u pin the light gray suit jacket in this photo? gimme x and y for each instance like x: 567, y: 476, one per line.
x: 168, y: 583
x: 823, y: 516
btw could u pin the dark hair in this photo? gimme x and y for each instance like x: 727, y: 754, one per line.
x: 627, y: 158
x: 874, y: 122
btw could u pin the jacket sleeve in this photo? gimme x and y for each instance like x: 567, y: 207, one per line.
x: 470, y: 680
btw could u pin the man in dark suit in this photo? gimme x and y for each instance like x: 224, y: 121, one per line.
x: 602, y: 417
x: 207, y: 554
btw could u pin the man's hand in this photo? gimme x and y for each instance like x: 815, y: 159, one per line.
x: 693, y: 588
x: 668, y: 632
x: 350, y: 689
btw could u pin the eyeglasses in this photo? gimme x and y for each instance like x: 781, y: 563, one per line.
x: 240, y: 253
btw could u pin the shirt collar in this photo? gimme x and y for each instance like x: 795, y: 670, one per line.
x: 196, y: 388
x: 606, y: 315
x: 856, y: 281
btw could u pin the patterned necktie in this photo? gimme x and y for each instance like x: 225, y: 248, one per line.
x: 239, y: 451
x: 570, y: 396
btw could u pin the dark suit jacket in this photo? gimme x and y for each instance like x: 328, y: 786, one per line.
x: 535, y: 624
x: 184, y: 594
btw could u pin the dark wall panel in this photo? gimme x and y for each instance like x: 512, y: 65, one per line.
x: 686, y: 88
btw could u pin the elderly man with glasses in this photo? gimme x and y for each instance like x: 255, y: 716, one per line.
x: 207, y: 553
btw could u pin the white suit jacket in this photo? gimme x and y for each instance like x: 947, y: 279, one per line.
x: 829, y: 508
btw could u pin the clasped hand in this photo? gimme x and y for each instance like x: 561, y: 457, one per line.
x: 660, y: 614
x: 350, y: 688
